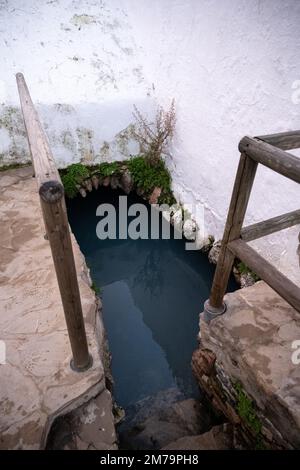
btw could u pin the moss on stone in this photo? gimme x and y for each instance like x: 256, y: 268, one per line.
x: 72, y: 176
x: 106, y: 169
x: 244, y: 269
x: 246, y: 410
x: 145, y: 177
x: 96, y: 289
x: 12, y: 120
x: 14, y: 166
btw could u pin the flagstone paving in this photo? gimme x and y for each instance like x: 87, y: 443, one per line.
x: 36, y: 381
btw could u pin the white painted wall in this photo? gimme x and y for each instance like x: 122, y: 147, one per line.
x: 229, y: 64
x: 79, y: 61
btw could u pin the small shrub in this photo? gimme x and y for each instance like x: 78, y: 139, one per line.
x: 154, y: 137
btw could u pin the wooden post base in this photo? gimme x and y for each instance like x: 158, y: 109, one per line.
x: 210, y: 312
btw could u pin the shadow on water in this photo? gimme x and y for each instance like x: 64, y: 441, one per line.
x: 152, y: 293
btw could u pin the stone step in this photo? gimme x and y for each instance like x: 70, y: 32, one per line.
x: 218, y: 438
x: 183, y: 418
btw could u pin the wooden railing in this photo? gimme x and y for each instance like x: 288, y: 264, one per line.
x: 269, y: 151
x: 53, y: 206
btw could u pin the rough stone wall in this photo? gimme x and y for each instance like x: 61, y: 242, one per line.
x: 246, y: 368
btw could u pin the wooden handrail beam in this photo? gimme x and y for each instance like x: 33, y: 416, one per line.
x: 42, y: 158
x: 261, y: 229
x: 55, y: 217
x: 267, y: 272
x: 255, y: 150
x: 274, y: 158
x: 284, y: 140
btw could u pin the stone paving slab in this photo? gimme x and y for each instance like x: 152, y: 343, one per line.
x: 252, y: 342
x: 37, y: 384
x: 90, y: 427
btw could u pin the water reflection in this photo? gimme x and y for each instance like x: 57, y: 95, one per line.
x: 153, y: 291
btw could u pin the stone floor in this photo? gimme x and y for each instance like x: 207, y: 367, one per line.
x: 36, y: 382
x: 253, y: 345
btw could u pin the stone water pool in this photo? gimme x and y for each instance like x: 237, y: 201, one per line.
x: 152, y: 292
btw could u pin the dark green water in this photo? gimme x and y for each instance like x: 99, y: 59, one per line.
x: 152, y: 292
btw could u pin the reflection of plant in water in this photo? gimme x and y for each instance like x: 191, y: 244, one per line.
x: 150, y: 275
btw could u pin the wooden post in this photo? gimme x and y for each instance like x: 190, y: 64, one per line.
x: 237, y: 209
x: 54, y: 211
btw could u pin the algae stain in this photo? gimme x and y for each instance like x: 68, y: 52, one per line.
x: 85, y: 144
x: 105, y: 150
x: 11, y: 121
x: 123, y: 138
x: 64, y: 108
x: 105, y: 74
x: 68, y: 141
x: 83, y: 20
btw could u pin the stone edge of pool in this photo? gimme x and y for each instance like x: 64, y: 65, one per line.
x: 37, y: 384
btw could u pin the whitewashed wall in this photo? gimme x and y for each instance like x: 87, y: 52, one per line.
x: 231, y: 65
x: 79, y: 61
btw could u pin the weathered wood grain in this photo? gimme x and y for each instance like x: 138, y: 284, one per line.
x: 236, y: 213
x: 57, y: 227
x: 261, y: 229
x: 274, y: 158
x: 284, y: 140
x: 266, y: 271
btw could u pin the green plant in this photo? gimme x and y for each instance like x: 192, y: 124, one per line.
x: 72, y: 176
x: 246, y: 410
x: 96, y: 289
x: 243, y: 269
x: 154, y: 137
x: 107, y: 169
x: 210, y: 241
x: 147, y: 177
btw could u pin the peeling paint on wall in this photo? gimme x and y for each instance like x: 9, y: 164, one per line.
x: 83, y: 75
x: 230, y: 70
x: 82, y: 20
x: 85, y: 145
x: 13, y: 141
